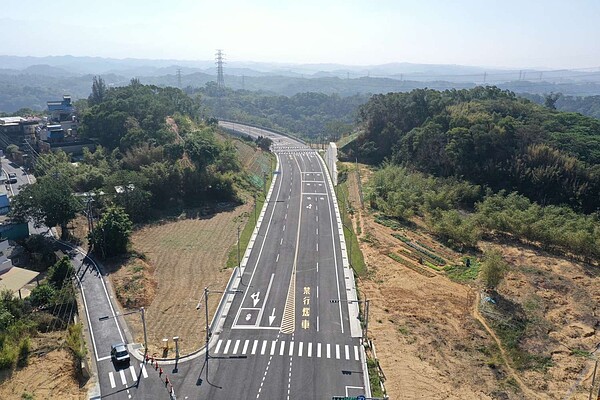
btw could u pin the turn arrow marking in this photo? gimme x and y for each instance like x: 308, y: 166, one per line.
x: 272, y: 317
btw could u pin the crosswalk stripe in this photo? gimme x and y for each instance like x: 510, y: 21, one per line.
x: 254, y: 347
x: 245, y: 347
x: 300, y: 346
x: 219, y: 343
x: 337, y: 351
x: 123, y: 380
x: 144, y: 372
x: 273, y: 345
x: 112, y: 380
x: 133, y: 374
x: 263, y: 348
x: 237, y: 345
x: 347, y: 348
x: 328, y: 351
x: 226, y: 349
x: 310, y: 349
x: 282, y: 347
x: 318, y: 350
x: 291, y: 349
x: 356, y: 353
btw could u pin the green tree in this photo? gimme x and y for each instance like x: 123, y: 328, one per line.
x: 41, y: 295
x: 49, y: 202
x: 60, y: 271
x: 493, y: 269
x: 99, y: 90
x: 111, y: 235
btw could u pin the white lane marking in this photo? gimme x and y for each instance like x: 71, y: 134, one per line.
x: 291, y: 349
x: 328, y: 351
x: 300, y: 347
x: 285, y: 216
x: 123, y: 380
x: 356, y: 353
x: 337, y: 351
x: 245, y: 347
x: 133, y: 374
x: 288, y: 206
x: 144, y: 372
x: 112, y: 380
x: 235, y: 348
x: 219, y: 343
x: 282, y: 347
x: 254, y: 347
x: 277, y: 260
x: 317, y: 231
x: 317, y: 323
x: 310, y: 349
x: 317, y: 246
x: 103, y: 358
x: 281, y: 242
x: 273, y: 345
x: 284, y: 228
x: 226, y: 349
x: 347, y: 348
x: 262, y: 310
x: 263, y: 348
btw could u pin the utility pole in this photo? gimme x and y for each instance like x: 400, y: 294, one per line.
x: 179, y: 78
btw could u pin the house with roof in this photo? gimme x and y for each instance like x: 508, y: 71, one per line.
x: 14, y: 279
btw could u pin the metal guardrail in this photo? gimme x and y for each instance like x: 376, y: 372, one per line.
x: 264, y: 128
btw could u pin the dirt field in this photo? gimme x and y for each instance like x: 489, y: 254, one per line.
x: 49, y: 375
x: 182, y: 258
x: 428, y: 341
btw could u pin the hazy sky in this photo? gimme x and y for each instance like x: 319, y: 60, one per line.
x: 515, y: 33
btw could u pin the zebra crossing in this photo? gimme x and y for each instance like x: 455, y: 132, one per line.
x: 123, y: 374
x: 256, y: 347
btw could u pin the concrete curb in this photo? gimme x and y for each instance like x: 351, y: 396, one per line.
x: 351, y: 293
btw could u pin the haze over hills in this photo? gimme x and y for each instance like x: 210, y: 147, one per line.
x: 28, y: 82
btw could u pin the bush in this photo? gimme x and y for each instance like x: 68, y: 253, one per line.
x: 493, y: 268
x: 42, y: 295
x: 75, y: 341
x: 23, y: 357
x: 60, y: 271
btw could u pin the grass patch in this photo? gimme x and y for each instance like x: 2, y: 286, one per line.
x: 75, y: 341
x: 461, y: 273
x: 356, y: 258
x: 581, y: 353
x: 373, y: 367
x: 410, y: 265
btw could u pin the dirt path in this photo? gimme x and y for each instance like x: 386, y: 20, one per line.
x: 524, y: 388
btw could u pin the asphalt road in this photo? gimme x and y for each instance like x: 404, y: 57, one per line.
x: 283, y: 338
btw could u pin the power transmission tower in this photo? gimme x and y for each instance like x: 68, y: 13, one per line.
x: 220, y: 61
x: 179, y: 78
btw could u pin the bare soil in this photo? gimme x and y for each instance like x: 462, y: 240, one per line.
x: 50, y: 374
x: 182, y: 257
x: 431, y: 341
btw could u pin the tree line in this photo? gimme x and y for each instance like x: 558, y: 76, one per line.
x: 489, y: 137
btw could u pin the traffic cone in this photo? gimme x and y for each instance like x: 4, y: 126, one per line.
x: 155, y: 365
x: 160, y: 372
x: 166, y: 381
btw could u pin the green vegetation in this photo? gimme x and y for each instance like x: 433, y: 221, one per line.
x: 463, y: 274
x: 374, y: 380
x: 356, y: 259
x: 493, y: 269
x: 488, y: 137
x: 48, y: 202
x: 111, y: 236
x: 459, y: 214
x: 76, y: 342
x: 315, y: 116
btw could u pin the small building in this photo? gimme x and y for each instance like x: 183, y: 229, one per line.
x: 13, y: 278
x: 4, y: 204
x: 63, y: 113
x: 13, y: 230
x: 18, y: 126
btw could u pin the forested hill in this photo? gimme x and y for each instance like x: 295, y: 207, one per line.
x: 489, y: 137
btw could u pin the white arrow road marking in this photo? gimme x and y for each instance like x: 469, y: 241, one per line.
x: 255, y: 298
x: 272, y: 317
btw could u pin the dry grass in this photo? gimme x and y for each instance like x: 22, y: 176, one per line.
x: 182, y: 258
x: 50, y: 374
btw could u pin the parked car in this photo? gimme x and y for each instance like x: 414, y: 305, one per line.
x: 12, y: 178
x: 119, y: 354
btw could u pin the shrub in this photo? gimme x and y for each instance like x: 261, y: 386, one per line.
x: 23, y: 357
